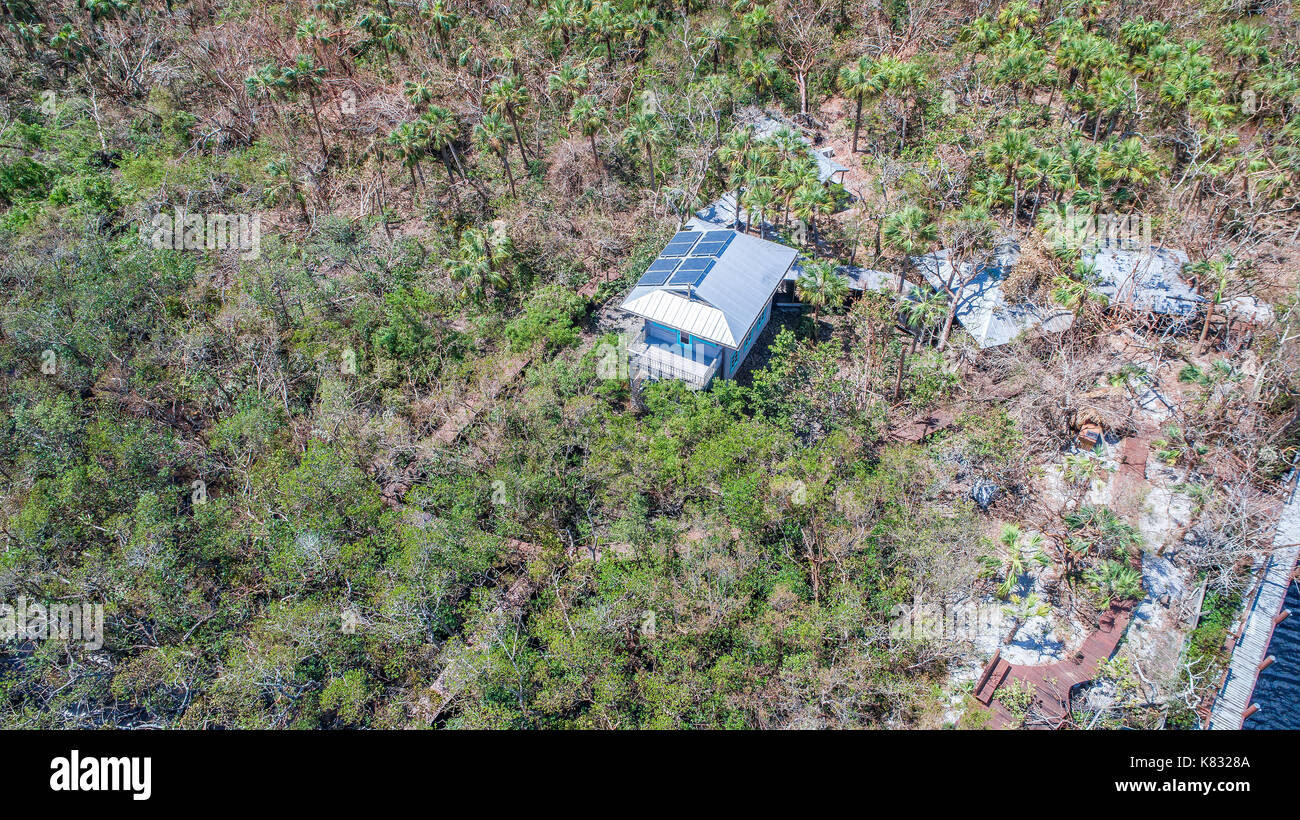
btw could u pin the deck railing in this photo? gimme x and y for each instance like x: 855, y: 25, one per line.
x: 653, y: 361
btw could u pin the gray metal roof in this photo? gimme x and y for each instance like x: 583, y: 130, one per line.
x: 1148, y: 280
x: 861, y: 279
x: 766, y: 125
x: 727, y: 301
x: 981, y: 306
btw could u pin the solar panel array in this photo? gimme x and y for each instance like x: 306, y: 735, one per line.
x: 687, y: 259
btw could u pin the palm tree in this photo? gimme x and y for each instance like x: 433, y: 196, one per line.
x: 418, y: 94
x: 1023, y: 68
x: 821, y: 287
x: 762, y: 71
x: 644, y: 20
x: 493, y: 133
x: 908, y: 231
x: 758, y: 24
x: 1115, y: 580
x: 810, y: 201
x: 281, y: 170
x: 1128, y: 163
x: 508, y: 96
x: 1212, y: 283
x: 906, y: 81
x: 977, y: 37
x: 760, y: 198
x: 732, y: 154
x: 443, y: 22
x: 562, y: 16
x: 1077, y: 292
x: 1014, y: 549
x: 478, y: 265
x: 313, y: 30
x: 1046, y: 169
x: 438, y: 127
x: 646, y: 131
x: 411, y: 148
x: 859, y: 80
x: 1246, y: 42
x: 1115, y: 93
x: 589, y: 119
x: 922, y: 314
x: 602, y: 23
x: 305, y: 75
x: 1020, y: 610
x: 1081, y: 470
x: 966, y: 232
x: 570, y: 81
x: 1013, y: 149
x: 716, y: 40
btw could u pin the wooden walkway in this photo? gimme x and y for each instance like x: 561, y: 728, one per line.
x: 462, y: 660
x: 464, y: 415
x: 1232, y: 704
x: 1052, y: 682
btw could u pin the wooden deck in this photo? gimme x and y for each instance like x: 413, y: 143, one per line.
x: 1053, y: 681
x: 1232, y: 704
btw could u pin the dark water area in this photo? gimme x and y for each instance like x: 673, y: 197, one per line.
x: 1278, y: 690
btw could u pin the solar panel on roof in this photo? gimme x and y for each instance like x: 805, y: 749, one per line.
x: 696, y: 264
x: 713, y: 243
x: 708, y: 249
x: 659, y: 271
x: 681, y: 243
x: 691, y: 272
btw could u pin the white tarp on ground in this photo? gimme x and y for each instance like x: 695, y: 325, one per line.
x: 981, y: 306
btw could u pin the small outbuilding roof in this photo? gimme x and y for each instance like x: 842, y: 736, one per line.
x: 981, y: 306
x: 1149, y: 280
x: 766, y: 126
x: 861, y: 279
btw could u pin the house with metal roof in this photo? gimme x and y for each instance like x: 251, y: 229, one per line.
x: 704, y: 302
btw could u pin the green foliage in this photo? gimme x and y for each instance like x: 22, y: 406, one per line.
x: 281, y: 539
x: 549, y: 317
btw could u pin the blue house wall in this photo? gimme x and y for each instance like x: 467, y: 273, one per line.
x: 702, y: 351
x: 736, y: 359
x: 664, y: 336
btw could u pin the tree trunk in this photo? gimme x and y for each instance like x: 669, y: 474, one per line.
x: 898, y: 379
x: 1205, y: 328
x: 857, y: 123
x: 510, y: 112
x: 947, y: 323
x: 505, y: 160
x: 315, y: 114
